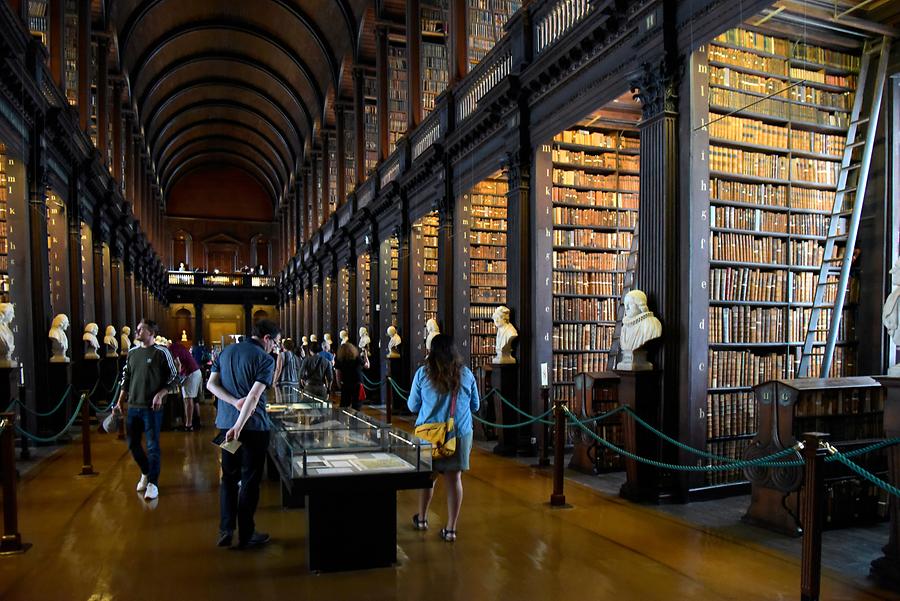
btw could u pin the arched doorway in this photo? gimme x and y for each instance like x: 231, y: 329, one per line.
x: 184, y: 326
x: 181, y: 248
x: 260, y: 252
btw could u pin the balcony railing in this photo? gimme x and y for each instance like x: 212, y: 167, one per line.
x: 220, y: 280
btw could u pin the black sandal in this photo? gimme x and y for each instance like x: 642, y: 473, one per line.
x: 448, y: 535
x: 419, y: 524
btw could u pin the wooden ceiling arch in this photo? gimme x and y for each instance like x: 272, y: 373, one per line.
x: 230, y: 132
x: 220, y: 141
x: 220, y: 160
x: 233, y: 79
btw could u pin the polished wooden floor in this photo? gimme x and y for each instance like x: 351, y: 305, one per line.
x: 95, y: 539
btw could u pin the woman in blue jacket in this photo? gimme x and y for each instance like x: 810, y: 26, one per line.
x: 435, y: 384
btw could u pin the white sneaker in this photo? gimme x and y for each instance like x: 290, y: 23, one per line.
x: 152, y: 492
x: 142, y: 483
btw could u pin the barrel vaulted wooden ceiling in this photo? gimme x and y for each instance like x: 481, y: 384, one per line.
x: 247, y: 83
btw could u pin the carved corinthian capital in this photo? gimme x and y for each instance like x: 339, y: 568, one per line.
x: 655, y: 85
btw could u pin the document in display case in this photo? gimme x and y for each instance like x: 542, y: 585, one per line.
x: 337, y: 463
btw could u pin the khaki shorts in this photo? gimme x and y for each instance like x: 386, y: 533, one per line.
x: 191, y: 387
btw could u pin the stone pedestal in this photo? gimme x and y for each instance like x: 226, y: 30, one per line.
x: 8, y: 386
x: 86, y: 377
x: 511, y: 441
x: 109, y: 373
x: 641, y: 391
x: 886, y: 569
x: 397, y: 372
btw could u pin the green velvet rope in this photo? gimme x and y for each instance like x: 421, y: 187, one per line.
x: 65, y: 429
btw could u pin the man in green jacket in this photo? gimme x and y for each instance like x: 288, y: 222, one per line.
x: 148, y: 372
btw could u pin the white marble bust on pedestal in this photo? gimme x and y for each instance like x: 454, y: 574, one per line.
x: 344, y: 335
x: 7, y: 339
x: 91, y: 344
x: 506, y: 334
x: 125, y: 341
x: 394, y: 343
x: 364, y: 340
x: 112, y: 345
x: 59, y: 342
x: 890, y: 315
x: 639, y: 326
x: 431, y: 330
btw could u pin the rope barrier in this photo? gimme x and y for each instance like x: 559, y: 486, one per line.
x: 678, y: 443
x: 65, y: 429
x: 371, y: 382
x: 519, y: 425
x: 12, y: 404
x: 112, y: 402
x: 65, y: 395
x: 838, y: 456
x: 397, y: 389
x: 767, y: 461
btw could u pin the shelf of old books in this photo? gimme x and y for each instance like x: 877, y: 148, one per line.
x: 92, y: 128
x: 349, y: 152
x: 331, y: 150
x: 425, y: 245
x: 434, y: 17
x: 5, y: 191
x: 87, y: 270
x: 485, y: 20
x: 370, y: 120
x: 343, y: 316
x: 327, y: 317
x: 71, y: 51
x: 364, y: 285
x: 779, y: 110
x: 487, y: 264
x: 398, y: 92
x: 57, y: 255
x: 595, y: 200
x: 390, y: 279
x: 322, y: 201
x: 38, y: 20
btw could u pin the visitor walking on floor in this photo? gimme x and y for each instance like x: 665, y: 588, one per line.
x: 287, y: 366
x: 149, y: 370
x: 316, y: 372
x: 348, y: 367
x: 239, y: 378
x: 190, y: 386
x: 437, y: 384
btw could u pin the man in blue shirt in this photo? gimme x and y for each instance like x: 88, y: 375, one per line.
x: 239, y: 378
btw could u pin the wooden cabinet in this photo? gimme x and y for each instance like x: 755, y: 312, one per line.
x: 596, y: 393
x: 850, y: 411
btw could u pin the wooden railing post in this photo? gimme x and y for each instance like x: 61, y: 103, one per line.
x: 11, y: 541
x: 389, y: 402
x: 87, y: 468
x: 544, y: 453
x: 558, y: 498
x: 812, y: 515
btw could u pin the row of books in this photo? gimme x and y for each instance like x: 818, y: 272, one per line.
x: 746, y: 248
x: 744, y: 368
x: 594, y: 217
x: 797, y: 114
x: 593, y: 261
x: 482, y: 326
x: 843, y: 363
x: 496, y: 252
x: 746, y: 162
x: 579, y: 337
x: 595, y: 198
x: 732, y: 414
x: 349, y: 153
x: 583, y: 137
x: 776, y: 66
x: 5, y: 190
x: 483, y: 279
x: 770, y: 86
x: 565, y: 367
x: 585, y: 309
x: 588, y: 283
x: 494, y: 238
x: 838, y: 401
x: 732, y: 449
x: 481, y: 312
x: 745, y: 284
x: 808, y: 224
x: 593, y: 239
x: 606, y: 160
x: 482, y: 345
x: 749, y: 324
x: 493, y: 195
x: 364, y: 279
x: 567, y: 177
x: 751, y: 131
x: 482, y: 266
x: 486, y: 224
x: 753, y: 40
x: 775, y: 195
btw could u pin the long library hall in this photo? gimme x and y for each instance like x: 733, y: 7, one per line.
x: 506, y: 299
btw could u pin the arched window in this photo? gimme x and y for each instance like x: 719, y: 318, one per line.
x: 260, y: 252
x: 181, y: 248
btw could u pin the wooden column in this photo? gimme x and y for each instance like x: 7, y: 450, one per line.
x: 129, y: 159
x: 659, y: 272
x: 359, y: 124
x: 76, y: 284
x: 117, y: 308
x: 128, y: 295
x: 99, y: 280
x: 57, y: 23
x: 446, y: 310
x: 340, y: 155
x: 103, y: 98
x: 413, y: 64
x: 84, y: 64
x: 325, y: 201
x: 381, y: 78
x: 199, y: 334
x: 314, y: 195
x: 118, y: 150
x: 456, y: 42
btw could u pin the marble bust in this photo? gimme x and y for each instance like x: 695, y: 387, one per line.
x: 394, y: 343
x: 7, y: 339
x: 639, y: 326
x: 890, y: 315
x: 91, y: 344
x: 112, y: 345
x: 304, y: 346
x: 506, y: 334
x: 59, y: 342
x: 364, y: 340
x: 125, y: 341
x: 431, y: 330
x: 344, y: 336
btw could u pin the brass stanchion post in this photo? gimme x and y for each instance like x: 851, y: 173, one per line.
x: 812, y: 515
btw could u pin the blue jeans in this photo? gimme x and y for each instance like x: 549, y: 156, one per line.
x: 143, y: 420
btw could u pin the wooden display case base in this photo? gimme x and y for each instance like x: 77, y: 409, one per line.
x: 510, y: 441
x: 640, y: 390
x: 772, y: 510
